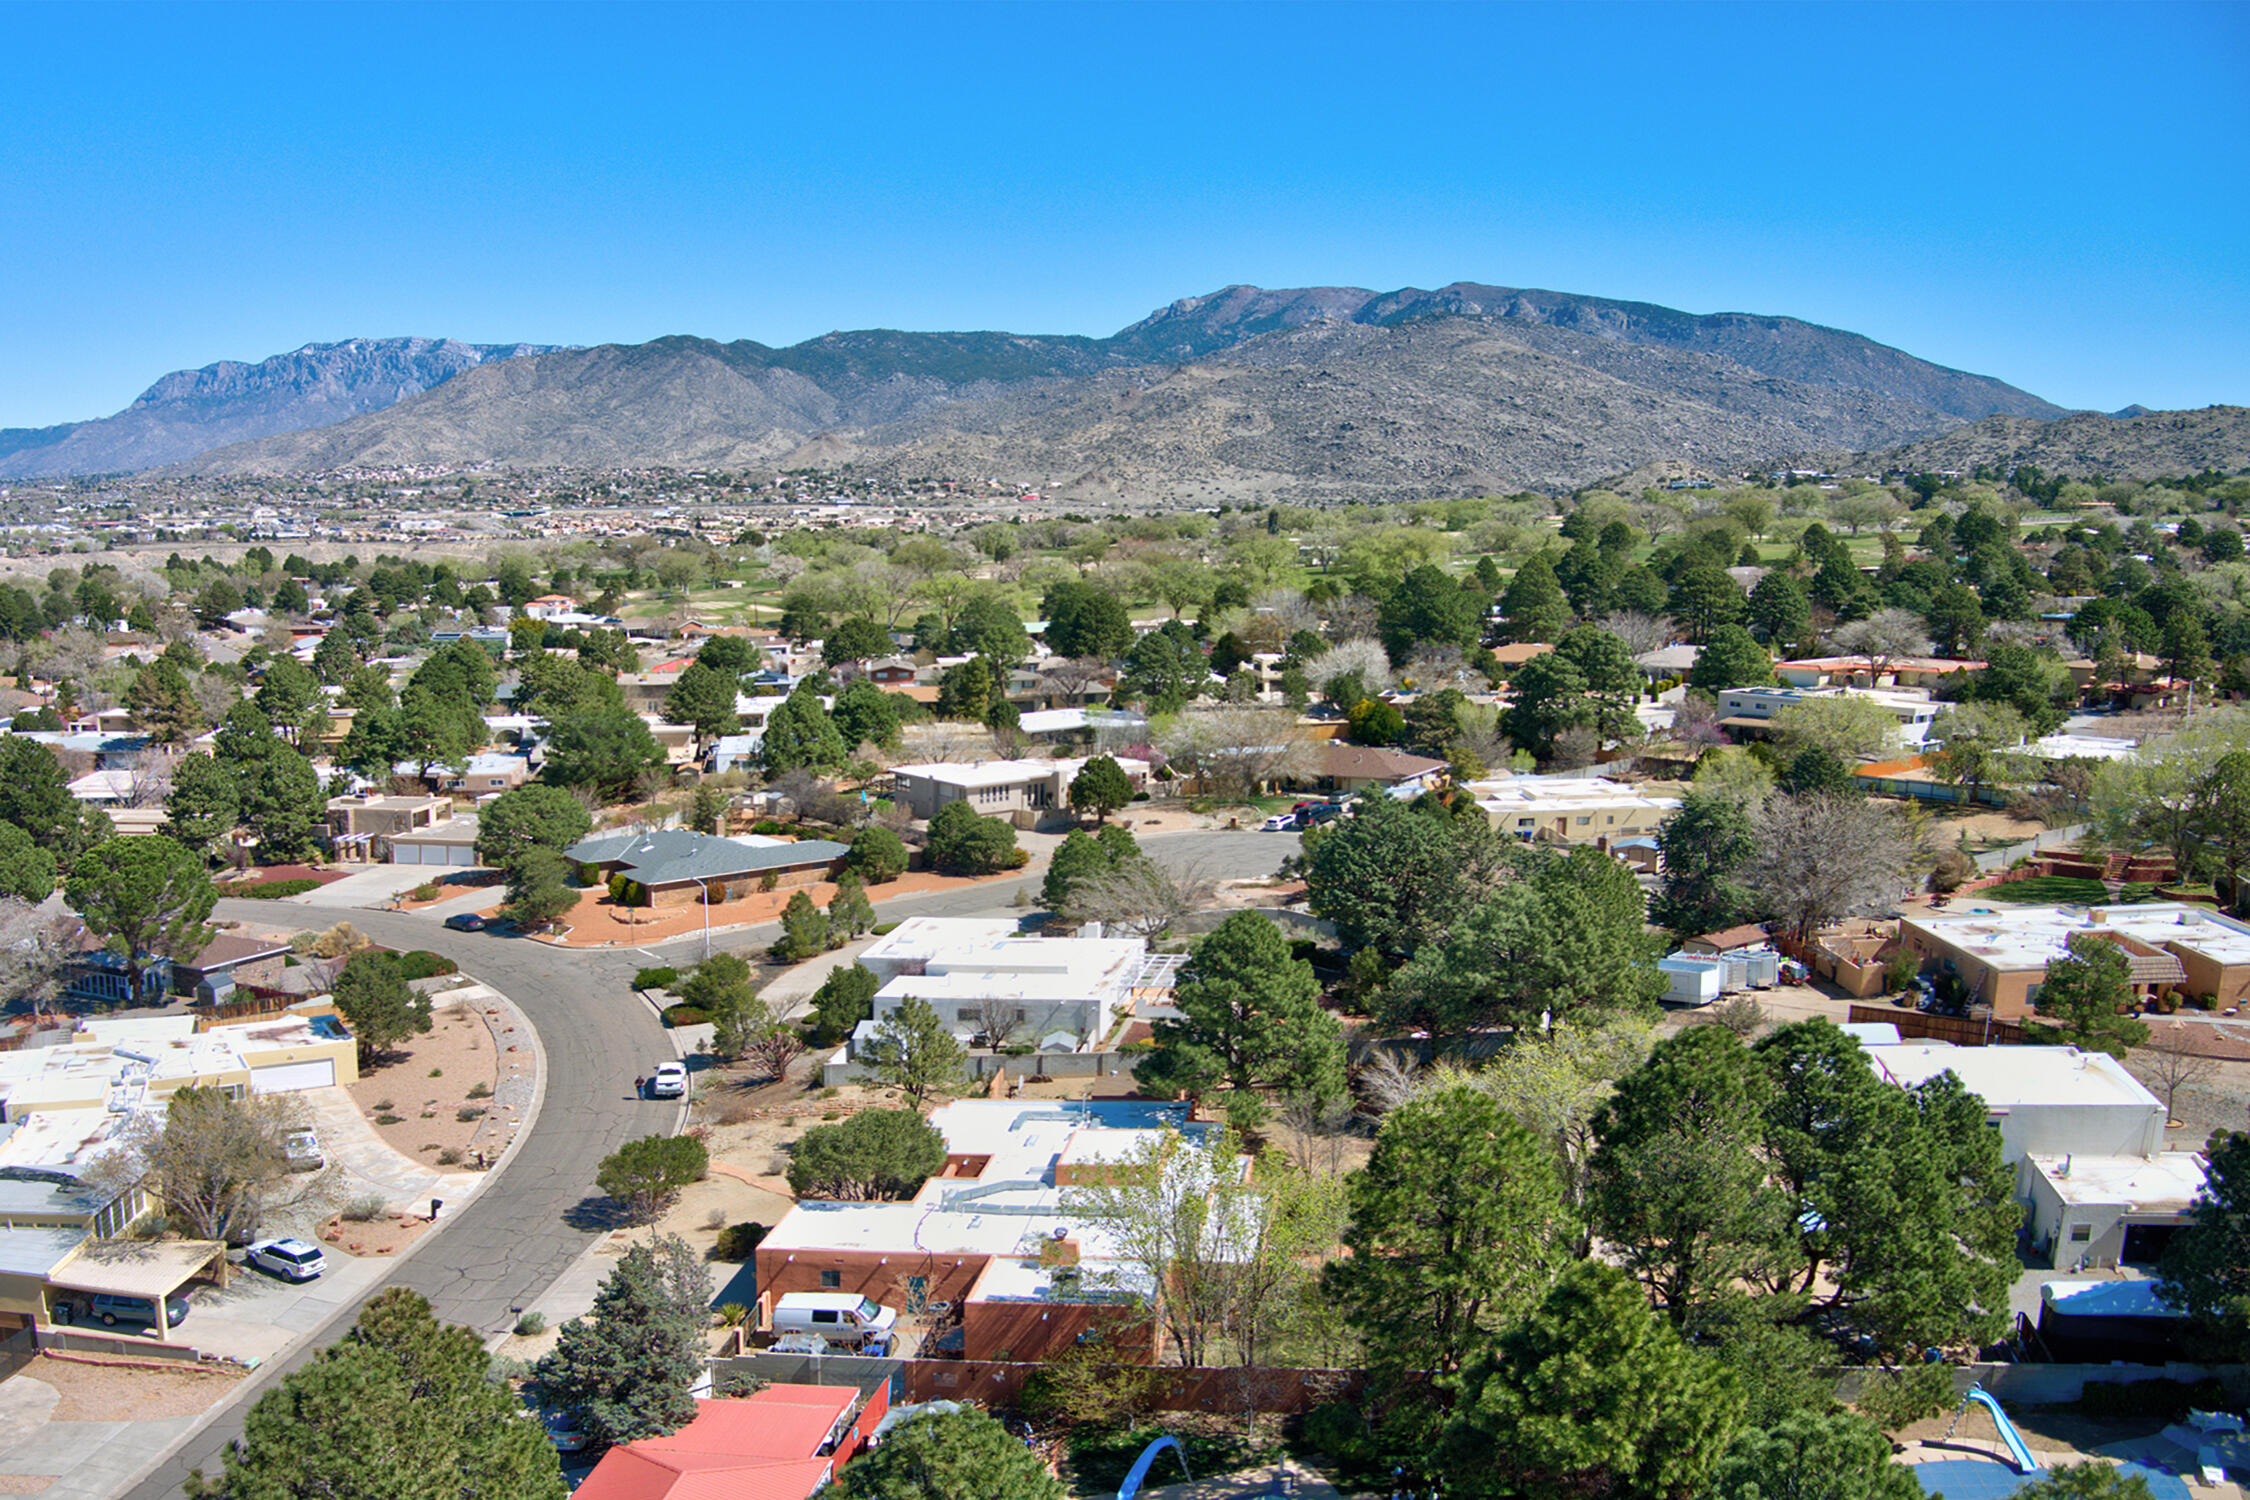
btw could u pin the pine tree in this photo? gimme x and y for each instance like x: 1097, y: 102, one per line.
x: 626, y: 1370
x: 850, y: 913
x: 1534, y: 604
x: 917, y: 1055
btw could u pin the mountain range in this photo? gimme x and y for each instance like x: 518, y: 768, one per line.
x: 1244, y: 394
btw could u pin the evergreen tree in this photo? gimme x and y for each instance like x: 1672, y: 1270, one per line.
x: 163, y: 704
x: 878, y: 855
x: 1457, y: 1228
x: 291, y: 699
x: 703, y: 698
x: 2206, y: 1267
x: 2088, y: 991
x: 285, y: 808
x: 1533, y: 605
x: 963, y: 842
x: 1592, y: 1394
x: 867, y: 715
x: 1704, y: 600
x: 1101, y: 787
x: 801, y: 737
x: 605, y: 750
x: 27, y: 872
x: 804, y: 930
x: 850, y: 913
x: 1428, y: 606
x: 378, y: 1004
x: 539, y: 887
x: 917, y: 1055
x: 1247, y: 1002
x: 1779, y: 611
x: 626, y: 1370
x: 1730, y: 659
x: 845, y: 998
x: 1076, y: 857
x: 952, y: 1455
x: 524, y: 818
x: 35, y: 796
x: 402, y: 1406
x: 1704, y: 847
x: 147, y: 898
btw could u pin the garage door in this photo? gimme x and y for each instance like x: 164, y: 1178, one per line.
x: 464, y: 855
x: 304, y: 1075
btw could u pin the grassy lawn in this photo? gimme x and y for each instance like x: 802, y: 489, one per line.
x: 2061, y: 890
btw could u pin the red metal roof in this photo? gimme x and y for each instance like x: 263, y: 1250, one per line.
x: 761, y: 1447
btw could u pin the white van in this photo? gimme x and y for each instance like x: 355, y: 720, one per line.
x: 842, y: 1318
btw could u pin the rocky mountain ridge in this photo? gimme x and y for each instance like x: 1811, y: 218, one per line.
x: 193, y: 411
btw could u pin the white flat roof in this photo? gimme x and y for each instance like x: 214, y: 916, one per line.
x: 2167, y: 1181
x: 2009, y: 937
x: 2017, y: 1077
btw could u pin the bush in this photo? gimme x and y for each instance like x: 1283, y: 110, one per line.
x: 878, y: 854
x: 768, y: 828
x: 480, y: 1091
x: 423, y: 964
x: 364, y: 1207
x: 883, y: 929
x: 738, y: 1242
x: 531, y: 1323
x: 656, y: 979
x: 427, y: 891
x: 685, y: 1015
x: 1900, y: 1398
x: 469, y: 1113
x: 1340, y: 1430
x: 269, y: 890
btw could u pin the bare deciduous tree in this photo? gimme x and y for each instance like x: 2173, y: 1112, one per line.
x: 997, y: 1020
x: 149, y: 783
x: 1137, y: 896
x: 216, y: 1163
x: 32, y: 950
x: 1070, y: 678
x: 1235, y: 750
x: 1883, y: 637
x: 1821, y: 858
x: 2167, y: 1064
x: 1638, y: 630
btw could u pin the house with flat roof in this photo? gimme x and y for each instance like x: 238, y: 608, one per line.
x: 2109, y: 1210
x: 1751, y: 709
x: 2000, y: 953
x: 677, y: 866
x: 1866, y: 671
x: 359, y: 824
x: 1569, y: 809
x: 121, y: 1064
x: 1016, y: 789
x: 994, y: 1234
x: 2045, y: 1101
x: 1055, y: 993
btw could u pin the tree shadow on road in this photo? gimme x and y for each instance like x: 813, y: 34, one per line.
x: 597, y: 1213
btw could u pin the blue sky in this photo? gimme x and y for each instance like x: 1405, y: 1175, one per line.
x: 2048, y: 194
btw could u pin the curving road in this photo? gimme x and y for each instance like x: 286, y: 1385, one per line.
x: 528, y: 1224
x: 511, y: 1241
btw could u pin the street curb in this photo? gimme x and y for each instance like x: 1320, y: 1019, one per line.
x: 259, y: 1379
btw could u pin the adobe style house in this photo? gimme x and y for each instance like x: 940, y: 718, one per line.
x: 2001, y: 956
x: 1016, y: 789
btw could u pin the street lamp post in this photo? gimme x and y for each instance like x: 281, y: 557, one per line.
x: 706, y: 890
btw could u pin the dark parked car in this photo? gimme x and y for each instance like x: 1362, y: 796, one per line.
x: 467, y: 921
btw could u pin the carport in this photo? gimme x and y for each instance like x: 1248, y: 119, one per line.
x: 153, y: 1269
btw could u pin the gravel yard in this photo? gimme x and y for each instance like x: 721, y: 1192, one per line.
x: 416, y: 1098
x: 94, y: 1390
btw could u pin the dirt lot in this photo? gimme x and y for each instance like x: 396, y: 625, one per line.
x: 1986, y: 827
x: 425, y: 1087
x: 93, y: 1390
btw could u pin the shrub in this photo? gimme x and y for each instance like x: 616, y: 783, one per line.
x: 427, y: 891
x: 449, y: 1157
x: 269, y: 890
x: 480, y: 1091
x: 1900, y: 1398
x: 884, y: 929
x: 685, y: 1015
x: 731, y: 1314
x: 386, y: 1119
x: 531, y: 1323
x: 1340, y: 1430
x: 364, y: 1207
x: 423, y: 964
x: 469, y: 1113
x: 738, y: 1242
x: 770, y: 881
x: 662, y: 978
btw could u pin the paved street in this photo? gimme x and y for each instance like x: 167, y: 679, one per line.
x: 528, y: 1227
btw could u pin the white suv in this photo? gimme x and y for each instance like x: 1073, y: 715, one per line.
x: 292, y: 1260
x: 669, y: 1081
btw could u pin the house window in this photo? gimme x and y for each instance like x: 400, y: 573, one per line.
x: 831, y: 1279
x: 1582, y: 822
x: 2081, y: 1233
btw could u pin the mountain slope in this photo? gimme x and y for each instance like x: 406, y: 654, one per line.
x: 1313, y: 390
x: 192, y: 411
x: 2144, y: 445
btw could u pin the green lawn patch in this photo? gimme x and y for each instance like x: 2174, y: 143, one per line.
x: 2062, y: 890
x: 269, y: 890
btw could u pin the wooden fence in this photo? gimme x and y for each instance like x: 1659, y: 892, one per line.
x: 1961, y: 1031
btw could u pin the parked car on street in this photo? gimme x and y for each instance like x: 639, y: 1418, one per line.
x: 291, y: 1260
x: 465, y: 921
x: 1278, y: 823
x: 669, y: 1081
